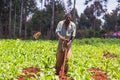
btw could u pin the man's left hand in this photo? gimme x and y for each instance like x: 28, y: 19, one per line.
x: 69, y: 43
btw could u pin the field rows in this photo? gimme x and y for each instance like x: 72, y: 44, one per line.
x: 16, y: 55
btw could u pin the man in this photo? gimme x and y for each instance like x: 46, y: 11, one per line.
x: 66, y: 31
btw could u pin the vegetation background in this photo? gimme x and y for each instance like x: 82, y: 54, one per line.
x: 21, y: 19
x: 15, y: 23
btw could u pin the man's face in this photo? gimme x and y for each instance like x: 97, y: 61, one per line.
x: 68, y: 17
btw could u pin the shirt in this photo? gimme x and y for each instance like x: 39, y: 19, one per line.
x: 67, y: 33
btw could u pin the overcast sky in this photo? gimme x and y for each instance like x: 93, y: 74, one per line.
x: 80, y: 5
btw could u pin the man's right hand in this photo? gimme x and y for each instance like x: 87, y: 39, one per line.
x: 64, y: 39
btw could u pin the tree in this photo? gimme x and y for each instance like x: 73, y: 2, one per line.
x: 4, y: 17
x: 112, y: 21
x: 94, y: 11
x: 74, y: 16
x: 16, y: 9
x: 1, y: 9
x: 21, y: 19
x: 10, y: 15
x: 27, y: 8
x: 52, y: 19
x: 44, y: 24
x: 84, y: 22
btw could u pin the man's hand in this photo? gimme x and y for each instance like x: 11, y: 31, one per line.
x: 69, y: 42
x: 64, y: 39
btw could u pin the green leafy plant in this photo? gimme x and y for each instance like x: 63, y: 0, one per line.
x: 16, y: 55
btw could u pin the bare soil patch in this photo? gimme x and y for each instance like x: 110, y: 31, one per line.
x: 98, y: 74
x: 28, y: 73
x: 107, y: 54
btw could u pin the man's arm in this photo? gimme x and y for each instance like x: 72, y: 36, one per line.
x: 73, y: 35
x: 72, y: 38
x: 58, y: 30
x: 61, y: 37
x: 70, y: 41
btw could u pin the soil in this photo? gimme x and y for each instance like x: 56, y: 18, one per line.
x: 28, y: 73
x: 63, y: 78
x: 98, y: 74
x: 107, y: 54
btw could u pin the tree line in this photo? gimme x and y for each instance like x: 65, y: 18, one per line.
x: 15, y: 23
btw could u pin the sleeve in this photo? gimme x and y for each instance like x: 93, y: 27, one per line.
x: 74, y: 30
x: 58, y: 29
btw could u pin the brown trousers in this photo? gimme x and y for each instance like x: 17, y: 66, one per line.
x: 60, y: 59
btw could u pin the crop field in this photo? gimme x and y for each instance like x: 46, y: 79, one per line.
x: 91, y: 59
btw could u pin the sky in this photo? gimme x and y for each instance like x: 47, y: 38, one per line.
x: 80, y: 5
